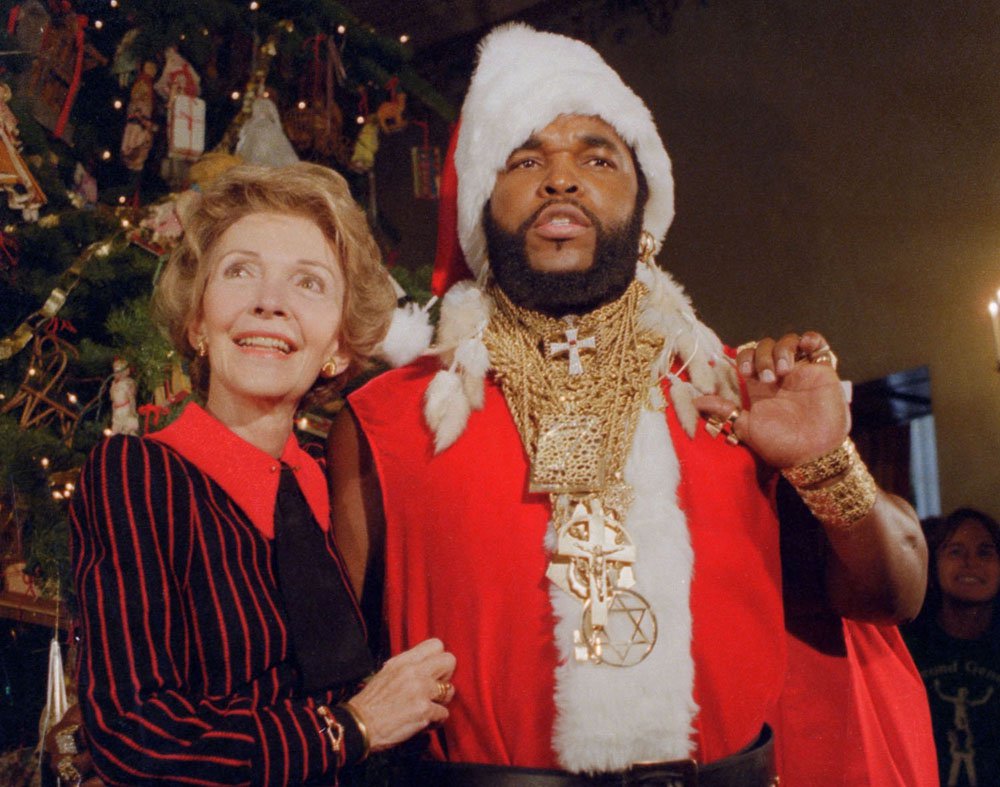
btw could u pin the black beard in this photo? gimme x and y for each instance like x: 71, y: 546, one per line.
x: 572, y: 292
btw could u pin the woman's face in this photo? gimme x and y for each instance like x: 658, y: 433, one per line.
x: 270, y: 313
x: 968, y: 566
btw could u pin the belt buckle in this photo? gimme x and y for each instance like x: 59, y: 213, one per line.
x: 663, y: 773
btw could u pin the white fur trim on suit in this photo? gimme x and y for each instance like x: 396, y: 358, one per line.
x: 523, y: 81
x: 610, y: 717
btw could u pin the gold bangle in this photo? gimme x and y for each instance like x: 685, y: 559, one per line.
x: 366, y: 742
x: 846, y: 502
x: 334, y: 731
x: 823, y: 468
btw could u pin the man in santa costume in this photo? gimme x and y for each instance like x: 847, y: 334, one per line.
x: 576, y: 489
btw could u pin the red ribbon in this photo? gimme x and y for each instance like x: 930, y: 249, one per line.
x: 57, y: 324
x: 154, y: 411
x: 81, y: 22
x: 12, y: 18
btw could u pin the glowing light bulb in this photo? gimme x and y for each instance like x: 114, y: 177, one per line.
x: 32, y: 371
x: 361, y: 120
x: 121, y: 200
x: 254, y: 5
x: 301, y: 105
x: 303, y: 423
x: 126, y: 224
x: 114, y: 3
x: 235, y: 95
x: 45, y: 461
x: 72, y: 398
x: 341, y: 29
x: 98, y: 24
x: 107, y: 433
x: 106, y: 155
x: 404, y: 38
x: 118, y: 103
x: 57, y: 495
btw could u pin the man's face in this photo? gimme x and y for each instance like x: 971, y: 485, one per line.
x: 561, y: 187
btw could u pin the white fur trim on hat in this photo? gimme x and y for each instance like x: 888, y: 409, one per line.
x: 524, y: 80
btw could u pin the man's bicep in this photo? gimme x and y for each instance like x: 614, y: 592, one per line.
x: 355, y: 496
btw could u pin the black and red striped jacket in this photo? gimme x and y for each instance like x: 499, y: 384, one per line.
x: 184, y: 671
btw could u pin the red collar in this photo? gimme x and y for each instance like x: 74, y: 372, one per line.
x: 247, y: 474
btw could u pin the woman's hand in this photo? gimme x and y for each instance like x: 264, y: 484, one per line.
x: 408, y: 694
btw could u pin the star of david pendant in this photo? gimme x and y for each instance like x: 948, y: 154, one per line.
x: 627, y: 636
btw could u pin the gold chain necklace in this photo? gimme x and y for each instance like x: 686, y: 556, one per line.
x: 575, y: 387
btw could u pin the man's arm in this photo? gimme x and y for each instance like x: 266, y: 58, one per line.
x: 355, y: 498
x: 876, y: 565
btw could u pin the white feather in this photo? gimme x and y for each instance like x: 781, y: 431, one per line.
x: 446, y: 408
x: 409, y: 336
x: 473, y: 360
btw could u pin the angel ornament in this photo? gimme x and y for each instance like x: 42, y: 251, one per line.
x: 124, y: 414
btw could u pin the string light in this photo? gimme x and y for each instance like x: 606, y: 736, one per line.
x: 57, y: 495
x: 114, y: 3
x: 118, y: 103
x: 235, y: 96
x: 107, y: 433
x: 106, y: 155
x: 32, y: 371
x: 45, y: 461
x: 98, y: 24
x: 254, y: 5
x: 361, y: 120
x: 72, y: 398
x: 404, y: 38
x: 121, y: 200
x: 303, y: 423
x: 302, y: 105
x: 125, y: 223
x: 341, y: 29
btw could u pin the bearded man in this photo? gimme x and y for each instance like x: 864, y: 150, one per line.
x: 576, y: 492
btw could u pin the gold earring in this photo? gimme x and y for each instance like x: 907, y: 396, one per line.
x: 330, y: 368
x: 647, y: 246
x: 201, y: 348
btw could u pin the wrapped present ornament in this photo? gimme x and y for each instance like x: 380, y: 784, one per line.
x: 23, y: 192
x: 425, y: 160
x: 185, y: 127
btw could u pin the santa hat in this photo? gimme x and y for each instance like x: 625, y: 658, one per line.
x: 523, y: 81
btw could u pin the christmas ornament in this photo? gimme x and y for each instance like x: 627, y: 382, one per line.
x: 56, y: 703
x: 63, y: 55
x: 125, y: 64
x: 42, y: 397
x: 426, y: 163
x: 314, y: 126
x: 390, y: 112
x: 179, y: 86
x: 124, y: 418
x: 365, y: 146
x: 262, y: 139
x: 23, y: 192
x: 84, y: 186
x: 27, y: 23
x: 139, y: 127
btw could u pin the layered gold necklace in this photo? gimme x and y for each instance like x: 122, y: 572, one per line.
x: 575, y: 387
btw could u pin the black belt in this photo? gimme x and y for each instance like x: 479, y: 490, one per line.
x: 751, y: 767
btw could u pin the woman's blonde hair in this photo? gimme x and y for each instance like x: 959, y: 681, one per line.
x: 307, y: 190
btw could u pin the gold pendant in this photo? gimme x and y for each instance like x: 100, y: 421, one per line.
x: 568, y: 458
x: 626, y: 637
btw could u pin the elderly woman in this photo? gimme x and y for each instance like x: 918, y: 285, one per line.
x: 222, y: 641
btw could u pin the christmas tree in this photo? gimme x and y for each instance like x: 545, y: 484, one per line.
x: 111, y: 111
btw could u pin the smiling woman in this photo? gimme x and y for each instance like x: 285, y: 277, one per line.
x: 222, y: 642
x: 956, y: 646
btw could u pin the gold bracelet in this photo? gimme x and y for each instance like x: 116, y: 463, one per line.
x: 824, y: 468
x: 846, y: 502
x: 334, y: 731
x: 366, y: 742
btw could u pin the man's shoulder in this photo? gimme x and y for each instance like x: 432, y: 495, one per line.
x: 412, y: 378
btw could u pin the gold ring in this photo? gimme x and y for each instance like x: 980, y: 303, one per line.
x: 824, y: 355
x: 716, y: 426
x: 444, y: 687
x: 746, y: 346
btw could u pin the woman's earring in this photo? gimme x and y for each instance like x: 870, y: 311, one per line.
x: 201, y: 348
x: 330, y: 368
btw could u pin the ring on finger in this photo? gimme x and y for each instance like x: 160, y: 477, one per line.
x: 824, y: 355
x: 716, y: 426
x: 443, y: 690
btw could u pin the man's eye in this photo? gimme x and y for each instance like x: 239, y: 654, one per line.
x: 527, y: 163
x: 601, y: 162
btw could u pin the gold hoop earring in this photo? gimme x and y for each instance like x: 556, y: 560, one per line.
x: 647, y: 246
x: 201, y: 348
x: 330, y: 368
